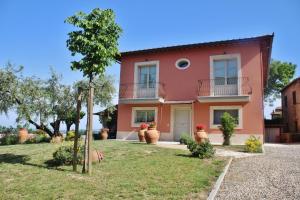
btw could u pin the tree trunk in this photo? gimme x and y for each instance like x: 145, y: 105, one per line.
x: 90, y: 116
x: 78, y: 109
x: 85, y: 159
x: 42, y: 127
x: 68, y: 125
x: 55, y: 125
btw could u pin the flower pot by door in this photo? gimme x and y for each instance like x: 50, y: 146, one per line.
x: 151, y: 136
x: 201, y: 136
x: 141, y: 135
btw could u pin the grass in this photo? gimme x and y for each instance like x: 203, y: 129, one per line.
x: 129, y: 171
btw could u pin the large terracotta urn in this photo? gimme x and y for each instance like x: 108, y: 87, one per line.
x: 152, y: 135
x: 200, y: 135
x: 23, y: 135
x: 141, y: 135
x: 104, y: 134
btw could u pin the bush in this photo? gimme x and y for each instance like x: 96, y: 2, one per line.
x: 184, y: 139
x: 70, y: 136
x: 228, y: 123
x: 38, y: 139
x: 202, y: 150
x: 253, y: 145
x: 64, y: 155
x: 39, y: 132
x: 9, y: 139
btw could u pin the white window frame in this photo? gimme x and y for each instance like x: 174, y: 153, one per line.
x: 223, y: 57
x: 136, y: 75
x: 239, y: 108
x: 133, y: 115
x: 182, y: 59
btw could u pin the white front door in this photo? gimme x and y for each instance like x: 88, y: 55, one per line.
x: 182, y: 122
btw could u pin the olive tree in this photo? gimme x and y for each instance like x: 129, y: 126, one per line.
x: 96, y: 41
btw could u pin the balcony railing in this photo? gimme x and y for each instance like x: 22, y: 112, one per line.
x: 141, y: 91
x: 235, y: 86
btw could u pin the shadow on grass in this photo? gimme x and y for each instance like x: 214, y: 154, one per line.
x: 23, y: 159
x: 186, y: 155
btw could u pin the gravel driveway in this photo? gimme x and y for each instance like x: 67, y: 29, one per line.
x: 275, y: 175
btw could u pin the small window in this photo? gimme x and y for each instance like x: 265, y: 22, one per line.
x: 218, y: 114
x: 285, y: 101
x: 143, y: 115
x: 294, y: 97
x: 182, y: 63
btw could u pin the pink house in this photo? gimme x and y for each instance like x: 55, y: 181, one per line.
x: 181, y: 86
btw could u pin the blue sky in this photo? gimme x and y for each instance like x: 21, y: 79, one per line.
x: 33, y: 32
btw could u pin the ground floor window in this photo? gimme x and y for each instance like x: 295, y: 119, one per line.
x: 216, y: 113
x: 143, y: 115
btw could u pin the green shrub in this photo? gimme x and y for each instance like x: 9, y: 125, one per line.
x: 228, y: 123
x: 253, y: 145
x: 184, y: 139
x: 39, y: 132
x: 38, y: 139
x: 64, y: 155
x: 70, y: 136
x: 202, y: 150
x: 9, y: 139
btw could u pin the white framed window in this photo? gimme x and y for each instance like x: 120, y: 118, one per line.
x: 182, y: 63
x: 216, y: 113
x: 143, y: 115
x: 146, y: 79
x: 225, y: 73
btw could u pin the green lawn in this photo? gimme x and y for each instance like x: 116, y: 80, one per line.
x: 129, y: 171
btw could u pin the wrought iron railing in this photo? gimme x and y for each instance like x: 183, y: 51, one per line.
x: 141, y: 90
x: 224, y: 86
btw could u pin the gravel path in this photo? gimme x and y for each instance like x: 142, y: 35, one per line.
x: 275, y: 175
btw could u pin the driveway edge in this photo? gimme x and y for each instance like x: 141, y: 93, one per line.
x: 217, y: 185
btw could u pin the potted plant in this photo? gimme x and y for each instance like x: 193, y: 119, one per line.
x: 200, y: 134
x: 152, y: 135
x: 228, y: 123
x: 23, y: 135
x: 141, y: 133
x: 104, y: 134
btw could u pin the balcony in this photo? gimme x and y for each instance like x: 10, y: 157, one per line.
x: 236, y: 89
x: 141, y: 93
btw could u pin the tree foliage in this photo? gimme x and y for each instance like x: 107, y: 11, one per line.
x: 44, y: 103
x: 96, y: 41
x: 228, y: 123
x: 280, y: 75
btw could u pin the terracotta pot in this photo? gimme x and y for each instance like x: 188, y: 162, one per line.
x: 141, y: 135
x: 151, y: 136
x: 97, y: 156
x: 201, y: 136
x: 23, y: 135
x: 104, y: 134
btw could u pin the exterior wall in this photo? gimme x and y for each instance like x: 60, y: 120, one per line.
x: 182, y: 85
x: 291, y: 112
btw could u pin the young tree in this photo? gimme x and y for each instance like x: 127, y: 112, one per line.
x: 96, y: 40
x: 280, y: 75
x: 228, y: 123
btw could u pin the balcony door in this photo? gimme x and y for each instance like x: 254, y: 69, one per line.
x: 146, y: 81
x: 225, y: 77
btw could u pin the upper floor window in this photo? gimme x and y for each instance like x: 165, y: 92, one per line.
x: 225, y: 74
x: 146, y: 75
x: 294, y: 97
x: 182, y: 63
